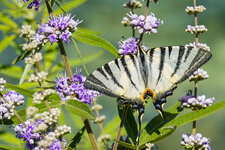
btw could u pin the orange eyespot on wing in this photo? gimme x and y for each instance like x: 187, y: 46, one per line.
x: 147, y: 93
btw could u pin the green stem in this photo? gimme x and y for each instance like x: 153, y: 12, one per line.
x: 79, y: 54
x: 196, y: 23
x: 121, y: 126
x: 146, y: 13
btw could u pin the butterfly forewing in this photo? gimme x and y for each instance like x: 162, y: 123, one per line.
x: 119, y: 78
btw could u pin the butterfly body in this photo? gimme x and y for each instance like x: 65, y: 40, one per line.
x: 153, y: 73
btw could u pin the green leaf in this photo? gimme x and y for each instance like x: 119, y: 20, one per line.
x: 95, y: 40
x: 21, y: 57
x: 74, y: 142
x: 25, y: 92
x: 66, y: 6
x: 84, y: 30
x: 164, y: 132
x: 196, y: 115
x: 151, y: 130
x: 6, y: 41
x: 127, y: 145
x: 6, y: 147
x: 26, y: 70
x: 79, y: 108
x: 6, y: 20
x: 8, y: 137
x: 130, y: 124
x: 4, y: 28
x: 12, y: 71
x: 6, y: 122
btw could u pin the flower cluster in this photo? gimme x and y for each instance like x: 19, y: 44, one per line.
x: 33, y: 58
x: 195, y: 142
x: 40, y: 77
x: 27, y: 133
x: 38, y: 97
x: 195, y: 10
x: 9, y: 102
x: 41, y: 131
x: 148, y: 24
x: 199, y: 75
x: 26, y: 31
x: 200, y: 45
x: 104, y: 138
x: 132, y: 4
x: 74, y: 89
x: 34, y: 3
x: 58, y: 28
x: 129, y: 46
x: 196, y: 29
x: 2, y: 84
x: 198, y: 103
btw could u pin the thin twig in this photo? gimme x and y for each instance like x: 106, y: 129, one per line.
x: 196, y: 23
x: 194, y: 122
x: 121, y: 126
x: 146, y: 13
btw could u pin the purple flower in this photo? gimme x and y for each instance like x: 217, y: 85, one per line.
x: 148, y: 24
x: 198, y: 103
x: 35, y: 3
x: 27, y: 133
x: 74, y: 89
x: 195, y: 142
x: 56, y: 145
x: 7, y: 108
x: 58, y: 28
x: 129, y: 46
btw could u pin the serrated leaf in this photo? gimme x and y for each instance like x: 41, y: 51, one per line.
x: 26, y: 70
x: 25, y: 92
x: 79, y: 108
x: 130, y: 124
x: 73, y: 143
x: 127, y: 145
x: 6, y: 41
x: 95, y: 40
x: 6, y: 20
x: 66, y: 6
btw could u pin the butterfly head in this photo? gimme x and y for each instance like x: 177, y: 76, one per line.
x: 147, y: 94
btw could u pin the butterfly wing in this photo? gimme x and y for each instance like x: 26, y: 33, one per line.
x: 171, y: 65
x: 118, y: 78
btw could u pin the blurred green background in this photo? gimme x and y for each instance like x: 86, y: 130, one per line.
x: 104, y: 16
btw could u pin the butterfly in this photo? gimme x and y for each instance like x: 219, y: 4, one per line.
x: 154, y: 74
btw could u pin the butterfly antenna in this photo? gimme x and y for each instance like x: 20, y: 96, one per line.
x: 141, y: 111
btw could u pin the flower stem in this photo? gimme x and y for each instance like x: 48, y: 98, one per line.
x: 146, y: 13
x: 15, y: 112
x: 196, y: 23
x: 121, y: 126
x: 194, y: 122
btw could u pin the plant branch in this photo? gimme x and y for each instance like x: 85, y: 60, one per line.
x: 196, y: 23
x: 121, y: 126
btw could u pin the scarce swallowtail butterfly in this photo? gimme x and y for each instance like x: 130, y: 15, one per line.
x: 153, y: 73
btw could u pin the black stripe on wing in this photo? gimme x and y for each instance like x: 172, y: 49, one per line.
x: 143, y: 66
x: 161, y: 64
x: 109, y: 71
x: 95, y: 84
x: 180, y: 55
x: 188, y: 52
x: 201, y: 58
x: 124, y: 64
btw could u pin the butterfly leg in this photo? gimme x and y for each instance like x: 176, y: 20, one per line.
x: 159, y: 106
